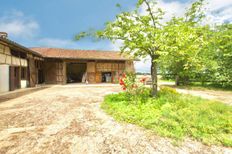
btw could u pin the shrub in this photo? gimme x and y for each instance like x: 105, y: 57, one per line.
x: 134, y: 88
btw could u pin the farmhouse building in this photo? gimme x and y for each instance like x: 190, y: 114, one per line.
x: 22, y: 67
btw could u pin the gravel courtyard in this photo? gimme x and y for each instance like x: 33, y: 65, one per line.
x: 68, y: 119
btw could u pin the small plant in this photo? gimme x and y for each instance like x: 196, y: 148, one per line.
x: 130, y: 83
x: 167, y: 90
x: 134, y: 88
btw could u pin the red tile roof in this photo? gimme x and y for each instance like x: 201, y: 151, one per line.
x: 79, y: 54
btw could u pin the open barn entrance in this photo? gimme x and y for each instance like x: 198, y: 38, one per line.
x: 75, y: 72
x: 106, y: 77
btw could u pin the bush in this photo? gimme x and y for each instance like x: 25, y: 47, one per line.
x: 134, y: 88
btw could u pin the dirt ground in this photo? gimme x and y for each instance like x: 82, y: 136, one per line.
x: 68, y: 119
x: 219, y: 95
x: 223, y: 96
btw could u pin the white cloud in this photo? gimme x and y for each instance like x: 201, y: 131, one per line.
x: 16, y: 24
x: 170, y: 8
x: 218, y: 4
x: 218, y: 11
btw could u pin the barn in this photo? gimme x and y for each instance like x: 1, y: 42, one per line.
x: 22, y: 67
x: 63, y: 66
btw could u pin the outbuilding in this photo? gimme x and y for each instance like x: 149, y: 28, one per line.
x: 19, y: 65
x: 63, y: 66
x: 22, y: 67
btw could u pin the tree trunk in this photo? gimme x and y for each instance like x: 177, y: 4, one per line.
x: 154, y: 77
x: 185, y: 80
x: 177, y: 80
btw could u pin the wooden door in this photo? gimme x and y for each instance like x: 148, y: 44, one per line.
x: 59, y: 73
x: 40, y: 76
x: 14, y: 78
x: 98, y: 77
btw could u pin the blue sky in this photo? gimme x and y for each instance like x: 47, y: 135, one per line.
x: 62, y: 19
x: 53, y: 23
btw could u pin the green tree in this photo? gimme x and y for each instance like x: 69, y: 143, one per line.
x: 185, y: 39
x: 184, y: 52
x: 207, y: 60
x: 146, y: 34
x: 221, y: 45
x: 142, y: 35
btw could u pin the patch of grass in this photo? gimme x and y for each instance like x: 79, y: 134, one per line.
x: 170, y: 81
x: 175, y: 115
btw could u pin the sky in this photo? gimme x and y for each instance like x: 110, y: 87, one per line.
x: 54, y: 23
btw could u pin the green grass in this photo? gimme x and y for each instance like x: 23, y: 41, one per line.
x: 175, y: 115
x: 170, y: 81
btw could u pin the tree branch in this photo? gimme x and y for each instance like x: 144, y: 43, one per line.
x: 150, y: 12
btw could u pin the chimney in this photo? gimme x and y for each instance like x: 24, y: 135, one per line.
x: 3, y: 35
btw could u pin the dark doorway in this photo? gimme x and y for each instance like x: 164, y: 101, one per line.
x: 40, y: 76
x: 107, y: 77
x: 14, y: 78
x: 75, y: 72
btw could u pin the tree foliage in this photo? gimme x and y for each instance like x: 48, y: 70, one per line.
x: 147, y: 35
x: 221, y: 47
x: 184, y: 45
x: 207, y: 61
